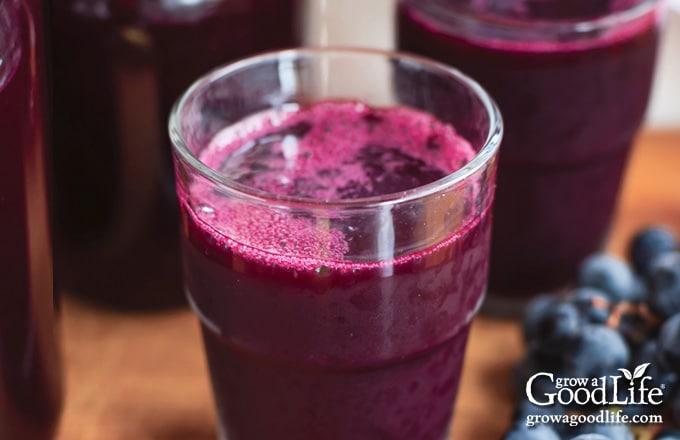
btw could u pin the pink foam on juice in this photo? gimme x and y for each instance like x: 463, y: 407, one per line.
x: 297, y: 335
x: 373, y: 151
x: 329, y: 151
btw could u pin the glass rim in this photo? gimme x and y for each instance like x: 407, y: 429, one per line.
x: 482, y: 157
x: 545, y: 27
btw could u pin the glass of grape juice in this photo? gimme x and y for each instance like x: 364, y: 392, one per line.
x: 117, y: 68
x: 336, y: 216
x: 572, y: 79
x: 31, y: 392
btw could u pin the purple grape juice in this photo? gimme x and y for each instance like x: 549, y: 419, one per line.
x: 30, y: 380
x: 571, y: 109
x: 118, y: 67
x: 303, y: 343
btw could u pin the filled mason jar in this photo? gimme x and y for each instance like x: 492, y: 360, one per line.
x: 572, y: 79
x: 30, y: 368
x: 118, y: 67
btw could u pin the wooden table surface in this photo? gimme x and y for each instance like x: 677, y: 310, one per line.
x: 143, y: 376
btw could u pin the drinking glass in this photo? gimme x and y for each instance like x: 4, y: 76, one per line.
x: 328, y: 310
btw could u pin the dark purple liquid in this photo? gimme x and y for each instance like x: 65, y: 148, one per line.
x: 118, y: 68
x: 570, y: 114
x: 30, y: 375
x: 303, y: 348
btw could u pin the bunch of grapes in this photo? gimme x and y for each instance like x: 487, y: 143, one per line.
x: 618, y: 317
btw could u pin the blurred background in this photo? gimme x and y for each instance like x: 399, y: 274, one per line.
x: 374, y: 18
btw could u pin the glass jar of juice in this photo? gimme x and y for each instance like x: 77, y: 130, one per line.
x: 572, y: 79
x: 118, y: 67
x: 30, y: 373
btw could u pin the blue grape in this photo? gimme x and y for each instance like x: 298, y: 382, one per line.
x: 558, y: 331
x: 538, y: 432
x: 664, y: 280
x: 647, y: 352
x: 668, y: 434
x: 647, y: 244
x: 613, y: 431
x: 525, y: 409
x: 600, y: 352
x: 592, y: 437
x: 592, y: 303
x: 640, y: 291
x: 669, y: 343
x: 631, y: 322
x: 534, y: 313
x: 650, y: 353
x: 675, y: 408
x: 661, y: 377
x: 610, y: 275
x: 531, y: 364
